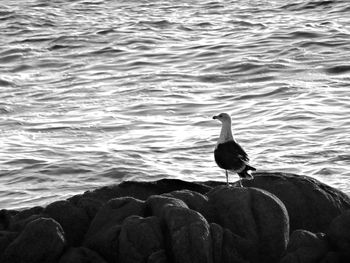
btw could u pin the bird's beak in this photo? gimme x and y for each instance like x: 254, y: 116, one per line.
x: 215, y: 117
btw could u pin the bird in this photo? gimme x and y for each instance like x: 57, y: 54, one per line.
x: 228, y: 154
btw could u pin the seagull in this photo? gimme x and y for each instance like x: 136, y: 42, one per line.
x: 229, y: 155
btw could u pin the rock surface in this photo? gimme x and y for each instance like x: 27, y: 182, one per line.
x: 311, y: 204
x: 41, y: 241
x: 254, y: 215
x: 170, y: 221
x: 305, y: 247
x: 187, y: 232
x: 103, y: 233
x: 339, y: 234
x: 139, y: 239
x: 81, y: 255
x: 74, y: 220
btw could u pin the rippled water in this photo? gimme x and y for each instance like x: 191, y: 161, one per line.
x: 96, y: 92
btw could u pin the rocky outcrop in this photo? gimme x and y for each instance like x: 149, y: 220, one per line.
x: 311, y: 205
x: 258, y: 218
x: 339, y: 235
x: 103, y: 233
x: 305, y: 246
x: 186, y: 232
x: 74, y: 220
x: 81, y: 255
x: 170, y: 221
x: 41, y: 241
x: 139, y: 238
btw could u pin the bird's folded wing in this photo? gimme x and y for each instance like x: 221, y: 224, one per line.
x: 234, y: 150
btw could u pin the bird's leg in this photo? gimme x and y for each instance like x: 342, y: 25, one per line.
x: 227, y: 178
x: 240, y: 182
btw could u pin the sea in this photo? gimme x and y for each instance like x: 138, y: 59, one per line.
x: 96, y: 92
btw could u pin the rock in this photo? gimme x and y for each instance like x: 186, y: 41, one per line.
x: 311, y: 204
x: 339, y: 234
x: 114, y: 212
x: 91, y: 206
x: 139, y: 239
x: 331, y: 257
x: 158, y: 257
x: 306, y: 247
x: 16, y: 220
x: 6, y: 237
x: 141, y: 190
x: 187, y: 232
x: 27, y: 247
x: 254, y: 215
x: 20, y: 219
x: 74, y: 220
x: 157, y: 204
x: 106, y: 243
x: 6, y: 217
x: 104, y: 230
x: 18, y: 224
x: 224, y: 244
x: 193, y: 200
x: 189, y: 235
x: 81, y: 255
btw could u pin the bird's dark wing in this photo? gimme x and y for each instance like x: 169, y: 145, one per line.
x: 230, y: 156
x: 234, y: 148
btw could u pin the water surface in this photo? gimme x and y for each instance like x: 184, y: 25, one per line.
x: 96, y: 92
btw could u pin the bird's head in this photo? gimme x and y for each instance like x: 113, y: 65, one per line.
x: 223, y: 117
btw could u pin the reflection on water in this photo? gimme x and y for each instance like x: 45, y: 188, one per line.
x: 95, y: 92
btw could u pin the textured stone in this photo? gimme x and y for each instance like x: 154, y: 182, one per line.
x: 225, y: 245
x: 103, y: 234
x: 81, y: 255
x: 18, y: 220
x: 255, y: 216
x: 91, y: 206
x: 157, y: 204
x: 306, y: 247
x: 6, y: 237
x: 139, y: 239
x: 193, y: 200
x: 74, y: 220
x: 42, y: 241
x: 187, y: 233
x: 158, y: 257
x: 141, y: 190
x: 311, y: 204
x: 339, y: 234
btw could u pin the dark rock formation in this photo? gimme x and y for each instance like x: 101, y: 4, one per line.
x: 158, y: 257
x: 187, y: 232
x: 256, y: 216
x: 139, y: 239
x: 141, y: 190
x: 81, y: 255
x: 305, y: 247
x: 225, y: 245
x: 171, y: 221
x: 103, y: 233
x: 311, y: 205
x: 74, y: 220
x: 19, y: 220
x: 193, y: 200
x: 339, y: 234
x: 6, y: 237
x: 41, y: 241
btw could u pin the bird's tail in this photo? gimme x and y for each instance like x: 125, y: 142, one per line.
x: 247, y: 172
